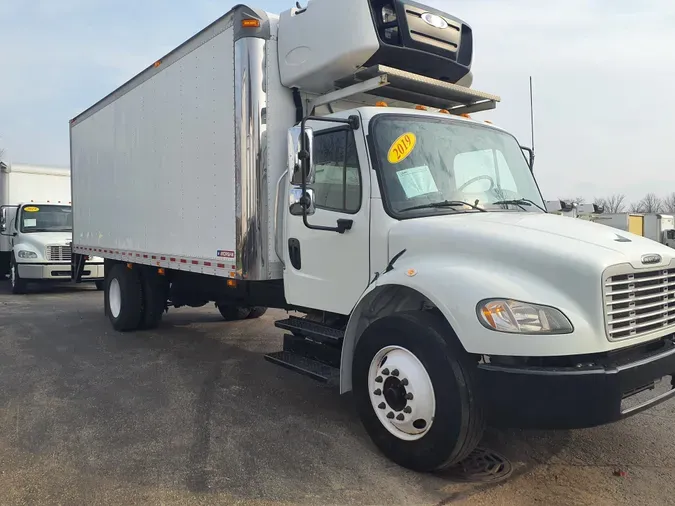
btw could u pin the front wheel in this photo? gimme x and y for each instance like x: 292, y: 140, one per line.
x: 18, y: 284
x: 415, y: 391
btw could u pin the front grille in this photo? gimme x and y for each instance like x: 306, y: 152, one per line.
x: 639, y: 302
x: 58, y: 253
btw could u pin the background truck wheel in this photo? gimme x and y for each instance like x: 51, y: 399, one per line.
x: 155, y: 292
x: 124, y: 298
x: 233, y: 313
x: 100, y: 285
x: 415, y: 391
x: 257, y: 312
x: 18, y: 284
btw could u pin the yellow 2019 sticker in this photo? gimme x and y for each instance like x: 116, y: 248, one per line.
x: 402, y: 147
x: 31, y: 209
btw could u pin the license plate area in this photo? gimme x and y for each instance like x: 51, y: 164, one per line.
x: 644, y: 396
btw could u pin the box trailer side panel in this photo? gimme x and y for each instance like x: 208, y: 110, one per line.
x: 33, y: 185
x: 652, y: 227
x: 154, y: 168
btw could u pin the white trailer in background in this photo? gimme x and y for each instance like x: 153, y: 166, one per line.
x: 655, y: 226
x: 316, y: 161
x: 36, y: 226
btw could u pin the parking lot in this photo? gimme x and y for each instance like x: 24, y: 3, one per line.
x: 192, y: 414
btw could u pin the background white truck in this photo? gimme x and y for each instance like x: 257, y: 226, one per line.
x: 36, y: 226
x: 258, y: 165
x: 655, y: 226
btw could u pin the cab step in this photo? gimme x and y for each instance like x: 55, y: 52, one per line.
x: 306, y: 366
x: 312, y: 330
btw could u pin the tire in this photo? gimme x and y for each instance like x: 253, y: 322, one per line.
x: 154, y: 298
x: 124, y: 298
x: 257, y: 312
x: 417, y: 340
x: 19, y: 285
x: 100, y: 285
x: 233, y: 313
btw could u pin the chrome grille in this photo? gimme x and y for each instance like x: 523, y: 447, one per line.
x: 639, y: 302
x: 58, y: 253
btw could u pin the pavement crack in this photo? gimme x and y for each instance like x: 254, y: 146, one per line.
x: 198, y: 479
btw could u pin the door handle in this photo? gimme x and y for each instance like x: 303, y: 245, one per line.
x: 343, y: 225
x: 294, y: 253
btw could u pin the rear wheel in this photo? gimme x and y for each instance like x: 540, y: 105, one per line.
x: 18, y: 284
x: 124, y: 298
x: 233, y: 313
x: 257, y: 312
x: 414, y: 388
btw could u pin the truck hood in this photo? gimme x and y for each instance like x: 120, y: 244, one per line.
x: 535, y: 238
x: 41, y: 239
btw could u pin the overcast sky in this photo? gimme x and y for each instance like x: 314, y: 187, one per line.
x: 604, y: 77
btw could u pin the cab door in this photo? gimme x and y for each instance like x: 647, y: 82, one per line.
x: 329, y: 270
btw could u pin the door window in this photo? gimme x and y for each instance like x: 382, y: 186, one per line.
x: 337, y: 181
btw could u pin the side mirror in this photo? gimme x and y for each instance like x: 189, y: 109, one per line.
x: 530, y: 158
x: 298, y: 158
x: 296, y: 201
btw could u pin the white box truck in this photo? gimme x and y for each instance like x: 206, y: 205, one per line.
x: 655, y: 226
x: 321, y: 161
x: 36, y: 227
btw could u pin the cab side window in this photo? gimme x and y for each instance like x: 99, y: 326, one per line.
x: 337, y: 181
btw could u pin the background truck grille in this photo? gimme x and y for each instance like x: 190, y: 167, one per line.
x: 58, y: 253
x: 638, y: 303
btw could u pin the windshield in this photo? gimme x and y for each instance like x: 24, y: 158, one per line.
x: 46, y: 219
x: 430, y: 166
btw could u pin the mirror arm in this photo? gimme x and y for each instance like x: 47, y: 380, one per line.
x: 354, y: 123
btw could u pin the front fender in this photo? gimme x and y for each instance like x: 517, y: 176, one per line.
x: 455, y: 288
x: 27, y: 247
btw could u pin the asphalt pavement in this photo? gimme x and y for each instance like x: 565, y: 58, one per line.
x: 190, y: 413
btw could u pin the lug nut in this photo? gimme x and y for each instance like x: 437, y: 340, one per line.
x: 377, y: 392
x: 409, y: 396
x: 400, y: 417
x: 394, y: 372
x: 385, y: 372
x: 407, y: 409
x: 381, y: 405
x: 378, y: 379
x: 390, y: 415
x: 404, y: 382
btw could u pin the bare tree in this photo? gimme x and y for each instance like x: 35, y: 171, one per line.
x: 669, y: 203
x: 615, y: 203
x: 650, y: 203
x: 635, y: 207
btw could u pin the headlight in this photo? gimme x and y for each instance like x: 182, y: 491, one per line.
x: 505, y: 315
x: 27, y: 254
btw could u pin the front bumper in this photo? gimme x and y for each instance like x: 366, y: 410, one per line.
x: 58, y: 271
x: 606, y: 389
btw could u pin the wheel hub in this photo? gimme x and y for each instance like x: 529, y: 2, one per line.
x: 394, y: 393
x: 401, y: 393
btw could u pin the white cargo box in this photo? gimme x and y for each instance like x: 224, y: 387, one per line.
x: 172, y: 170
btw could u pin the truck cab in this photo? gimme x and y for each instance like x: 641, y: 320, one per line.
x: 39, y: 236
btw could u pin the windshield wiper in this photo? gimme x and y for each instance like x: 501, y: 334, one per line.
x: 520, y: 202
x: 444, y: 203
